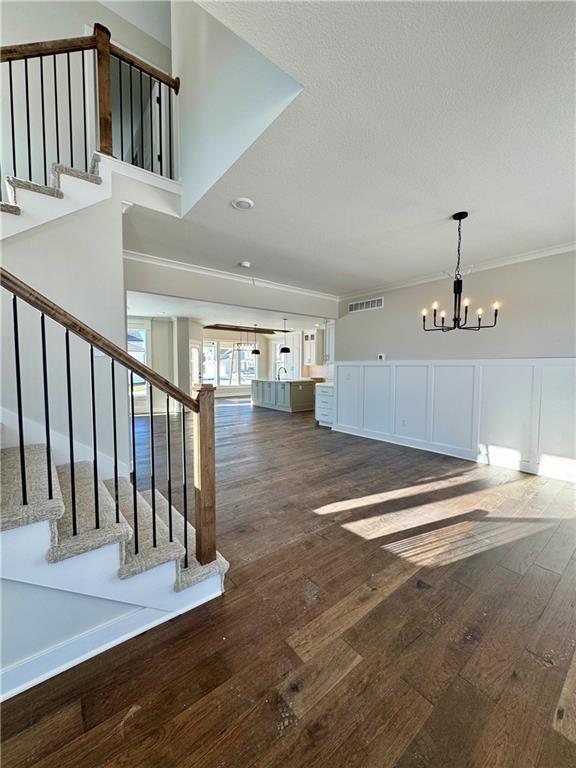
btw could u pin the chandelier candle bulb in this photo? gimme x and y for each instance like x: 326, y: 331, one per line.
x: 424, y: 312
x: 459, y: 322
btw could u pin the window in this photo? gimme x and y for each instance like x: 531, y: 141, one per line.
x: 138, y: 345
x: 228, y: 364
x: 209, y: 354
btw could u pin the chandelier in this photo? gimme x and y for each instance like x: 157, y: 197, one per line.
x: 458, y: 322
x: 255, y: 350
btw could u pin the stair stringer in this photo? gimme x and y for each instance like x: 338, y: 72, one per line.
x: 95, y: 573
x: 70, y: 191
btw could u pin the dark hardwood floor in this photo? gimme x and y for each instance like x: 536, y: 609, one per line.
x: 384, y: 607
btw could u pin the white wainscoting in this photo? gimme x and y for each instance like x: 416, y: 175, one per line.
x: 518, y: 413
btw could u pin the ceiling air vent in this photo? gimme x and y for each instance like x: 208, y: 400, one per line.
x: 362, y: 306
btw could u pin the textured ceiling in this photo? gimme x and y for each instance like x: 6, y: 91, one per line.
x: 410, y: 111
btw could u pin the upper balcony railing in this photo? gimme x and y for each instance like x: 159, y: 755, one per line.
x: 66, y: 98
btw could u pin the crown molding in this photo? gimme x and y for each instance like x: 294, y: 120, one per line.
x: 492, y: 264
x: 255, y: 282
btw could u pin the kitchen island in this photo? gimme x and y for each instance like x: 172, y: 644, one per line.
x: 290, y: 395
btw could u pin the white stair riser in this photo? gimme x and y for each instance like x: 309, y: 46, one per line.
x: 96, y: 573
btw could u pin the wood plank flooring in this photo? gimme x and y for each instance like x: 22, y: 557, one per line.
x: 385, y: 607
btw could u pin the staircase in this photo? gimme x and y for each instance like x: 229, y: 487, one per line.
x: 91, y: 527
x: 73, y: 533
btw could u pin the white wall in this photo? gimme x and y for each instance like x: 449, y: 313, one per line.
x: 518, y: 413
x: 231, y: 95
x: 77, y: 262
x: 35, y: 618
x: 537, y: 318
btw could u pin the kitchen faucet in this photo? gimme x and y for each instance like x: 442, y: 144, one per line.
x: 278, y: 374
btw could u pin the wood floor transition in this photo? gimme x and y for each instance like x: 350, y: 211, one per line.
x: 385, y: 607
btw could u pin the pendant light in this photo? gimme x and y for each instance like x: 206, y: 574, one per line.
x: 285, y: 350
x: 255, y: 351
x: 458, y: 322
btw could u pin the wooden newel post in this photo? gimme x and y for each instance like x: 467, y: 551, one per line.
x: 205, y: 474
x: 102, y: 36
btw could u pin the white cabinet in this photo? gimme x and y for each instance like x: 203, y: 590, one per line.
x: 313, y: 347
x: 324, y: 410
x: 329, y: 341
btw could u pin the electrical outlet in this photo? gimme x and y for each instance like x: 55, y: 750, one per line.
x: 403, y: 422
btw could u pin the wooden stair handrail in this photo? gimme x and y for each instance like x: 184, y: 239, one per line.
x: 156, y: 74
x: 74, y: 44
x: 97, y: 340
x: 46, y: 48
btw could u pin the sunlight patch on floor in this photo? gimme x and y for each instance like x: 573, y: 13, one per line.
x: 463, y: 540
x: 360, y: 502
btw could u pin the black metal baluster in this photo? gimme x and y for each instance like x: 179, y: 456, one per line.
x: 84, y: 112
x: 152, y: 472
x: 160, y: 153
x: 151, y: 124
x: 141, y: 124
x: 12, y: 126
x: 170, y: 132
x: 131, y: 119
x: 184, y: 487
x: 70, y: 111
x: 169, y: 466
x: 56, y: 111
x: 115, y: 442
x: 121, y: 110
x: 134, y: 471
x: 71, y: 435
x: 19, y: 401
x: 46, y: 406
x: 94, y: 440
x: 41, y: 60
x: 28, y: 119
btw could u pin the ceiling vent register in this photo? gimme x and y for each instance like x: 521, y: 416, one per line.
x: 362, y: 306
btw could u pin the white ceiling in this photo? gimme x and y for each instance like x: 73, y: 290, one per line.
x: 410, y: 111
x: 208, y: 313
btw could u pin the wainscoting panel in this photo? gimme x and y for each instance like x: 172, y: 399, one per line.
x: 349, y: 409
x: 378, y: 395
x: 453, y: 406
x: 518, y: 413
x: 506, y: 414
x: 411, y: 401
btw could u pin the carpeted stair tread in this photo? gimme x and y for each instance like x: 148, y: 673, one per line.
x: 195, y: 572
x: 64, y: 544
x: 149, y: 556
x: 13, y: 514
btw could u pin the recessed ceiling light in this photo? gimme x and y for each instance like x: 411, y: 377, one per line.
x: 161, y: 313
x: 242, y: 203
x: 245, y: 264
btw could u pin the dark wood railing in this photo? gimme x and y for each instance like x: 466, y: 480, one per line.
x: 201, y: 406
x: 134, y: 106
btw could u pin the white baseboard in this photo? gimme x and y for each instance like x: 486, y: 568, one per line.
x: 564, y: 469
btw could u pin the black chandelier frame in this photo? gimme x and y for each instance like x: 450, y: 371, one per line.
x: 459, y: 323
